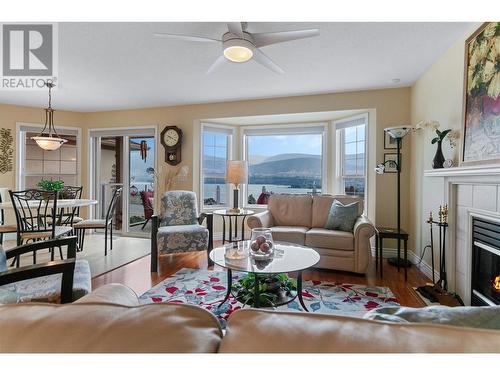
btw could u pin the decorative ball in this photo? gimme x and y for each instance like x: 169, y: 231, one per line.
x: 264, y: 247
x: 260, y: 240
x: 254, y: 246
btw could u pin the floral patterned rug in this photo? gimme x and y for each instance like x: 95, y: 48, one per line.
x: 208, y: 289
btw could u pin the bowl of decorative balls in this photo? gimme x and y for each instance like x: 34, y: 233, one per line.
x: 261, y: 243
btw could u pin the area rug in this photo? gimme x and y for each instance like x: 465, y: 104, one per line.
x: 208, y: 289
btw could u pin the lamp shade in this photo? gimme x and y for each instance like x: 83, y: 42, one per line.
x: 237, y: 172
x: 398, y: 131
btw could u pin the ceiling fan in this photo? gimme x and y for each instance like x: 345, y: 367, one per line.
x: 239, y: 46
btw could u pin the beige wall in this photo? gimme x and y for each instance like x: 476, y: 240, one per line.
x: 436, y: 95
x: 392, y: 107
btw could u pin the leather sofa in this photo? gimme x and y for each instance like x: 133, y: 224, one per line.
x: 111, y: 320
x: 301, y: 219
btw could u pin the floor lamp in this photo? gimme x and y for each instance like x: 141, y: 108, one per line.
x: 398, y: 133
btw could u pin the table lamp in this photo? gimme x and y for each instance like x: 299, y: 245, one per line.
x: 396, y: 132
x: 237, y: 173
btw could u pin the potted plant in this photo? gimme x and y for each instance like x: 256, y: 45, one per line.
x: 51, y: 185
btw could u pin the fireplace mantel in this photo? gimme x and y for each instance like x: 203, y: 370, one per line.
x: 478, y: 171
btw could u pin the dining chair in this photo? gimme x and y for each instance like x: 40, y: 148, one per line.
x: 71, y: 215
x: 3, y: 227
x: 106, y: 223
x: 60, y: 281
x: 35, y: 212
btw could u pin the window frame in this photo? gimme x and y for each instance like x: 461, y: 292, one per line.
x: 230, y: 132
x: 339, y: 163
x: 284, y: 129
x: 20, y: 150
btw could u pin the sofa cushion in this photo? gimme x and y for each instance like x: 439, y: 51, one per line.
x: 259, y: 331
x: 182, y: 238
x: 295, y: 235
x: 330, y: 239
x: 108, y: 328
x: 321, y: 207
x: 291, y: 209
x: 342, y: 217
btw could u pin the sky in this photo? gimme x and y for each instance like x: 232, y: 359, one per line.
x: 285, y: 144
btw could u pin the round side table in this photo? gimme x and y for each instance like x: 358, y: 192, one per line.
x: 232, y: 217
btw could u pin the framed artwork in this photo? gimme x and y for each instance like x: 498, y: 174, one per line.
x: 390, y: 161
x: 481, y: 98
x: 389, y: 142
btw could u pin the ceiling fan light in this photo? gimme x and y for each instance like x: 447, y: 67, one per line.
x: 49, y: 143
x: 238, y: 54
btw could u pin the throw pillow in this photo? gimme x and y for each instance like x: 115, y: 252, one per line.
x: 342, y: 217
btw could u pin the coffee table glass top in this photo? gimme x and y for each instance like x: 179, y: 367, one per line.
x: 233, y: 213
x: 287, y: 257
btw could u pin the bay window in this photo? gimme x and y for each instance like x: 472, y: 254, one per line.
x: 216, y: 146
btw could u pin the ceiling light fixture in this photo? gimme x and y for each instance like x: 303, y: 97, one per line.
x: 49, y: 140
x: 238, y: 50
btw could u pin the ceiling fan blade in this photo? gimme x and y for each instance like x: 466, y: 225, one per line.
x: 188, y: 38
x: 217, y: 63
x: 235, y: 28
x: 264, y: 60
x: 266, y: 39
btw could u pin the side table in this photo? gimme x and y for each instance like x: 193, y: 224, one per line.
x: 233, y: 216
x: 383, y: 232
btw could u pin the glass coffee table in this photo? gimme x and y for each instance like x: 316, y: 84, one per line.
x: 265, y: 275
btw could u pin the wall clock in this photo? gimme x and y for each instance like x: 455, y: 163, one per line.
x: 171, y: 139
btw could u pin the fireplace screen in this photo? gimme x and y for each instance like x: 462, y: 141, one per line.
x: 485, y: 263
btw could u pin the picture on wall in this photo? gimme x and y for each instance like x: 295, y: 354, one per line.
x: 481, y: 141
x: 389, y: 142
x: 390, y: 161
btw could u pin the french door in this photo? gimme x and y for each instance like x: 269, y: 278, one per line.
x: 124, y: 158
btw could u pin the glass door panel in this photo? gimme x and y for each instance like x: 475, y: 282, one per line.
x: 141, y: 159
x: 110, y: 176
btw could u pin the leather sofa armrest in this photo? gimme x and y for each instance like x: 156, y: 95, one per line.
x: 363, y: 231
x: 260, y: 220
x: 111, y: 293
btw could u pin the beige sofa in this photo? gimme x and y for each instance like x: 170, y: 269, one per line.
x: 301, y: 219
x: 110, y: 320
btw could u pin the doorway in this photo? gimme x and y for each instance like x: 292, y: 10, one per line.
x: 124, y: 158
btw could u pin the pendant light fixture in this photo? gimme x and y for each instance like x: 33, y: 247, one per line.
x: 49, y: 140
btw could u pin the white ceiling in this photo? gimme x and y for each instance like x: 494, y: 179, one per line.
x: 104, y: 66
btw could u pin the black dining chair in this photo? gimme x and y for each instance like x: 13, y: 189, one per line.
x: 36, y: 211
x: 71, y: 215
x: 106, y: 223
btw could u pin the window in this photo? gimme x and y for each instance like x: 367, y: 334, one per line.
x: 283, y: 161
x: 352, y: 156
x: 216, y: 152
x: 36, y: 164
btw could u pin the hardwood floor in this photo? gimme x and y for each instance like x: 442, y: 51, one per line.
x: 136, y: 275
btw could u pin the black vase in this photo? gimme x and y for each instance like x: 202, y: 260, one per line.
x: 438, y: 158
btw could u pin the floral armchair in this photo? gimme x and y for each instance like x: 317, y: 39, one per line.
x: 178, y: 228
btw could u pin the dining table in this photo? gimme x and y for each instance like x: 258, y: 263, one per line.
x: 61, y: 203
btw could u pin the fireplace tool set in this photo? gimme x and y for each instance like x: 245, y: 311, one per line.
x: 438, y: 291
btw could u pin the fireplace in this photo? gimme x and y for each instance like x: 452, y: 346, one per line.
x: 485, y: 263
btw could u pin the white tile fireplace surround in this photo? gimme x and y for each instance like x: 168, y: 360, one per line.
x: 469, y: 192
